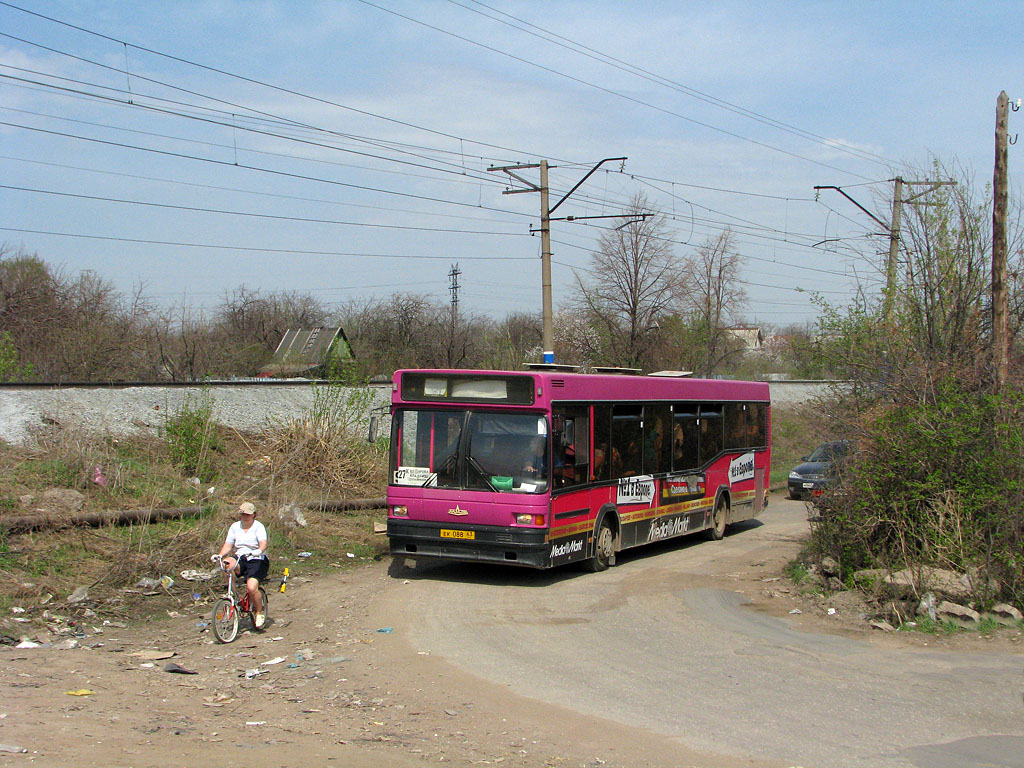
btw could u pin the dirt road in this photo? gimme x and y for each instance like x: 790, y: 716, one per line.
x: 684, y: 654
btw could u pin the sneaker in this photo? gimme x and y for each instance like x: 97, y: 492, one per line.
x: 259, y: 621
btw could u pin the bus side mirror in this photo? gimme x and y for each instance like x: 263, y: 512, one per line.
x: 371, y: 436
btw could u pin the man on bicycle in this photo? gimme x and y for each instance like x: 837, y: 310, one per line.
x: 248, y: 537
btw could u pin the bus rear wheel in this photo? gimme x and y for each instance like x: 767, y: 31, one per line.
x: 719, y: 518
x: 604, y: 549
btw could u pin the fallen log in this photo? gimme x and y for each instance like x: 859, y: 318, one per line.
x: 49, y: 521
x: 342, y: 505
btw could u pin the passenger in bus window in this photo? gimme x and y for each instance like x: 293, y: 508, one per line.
x: 565, y: 466
x: 597, y: 473
x: 624, y: 467
x: 678, y: 441
x: 652, y: 446
x: 534, y: 461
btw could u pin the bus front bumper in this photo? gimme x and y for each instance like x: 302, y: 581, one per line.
x: 526, y: 547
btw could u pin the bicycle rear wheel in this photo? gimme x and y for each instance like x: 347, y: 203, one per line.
x: 225, y: 620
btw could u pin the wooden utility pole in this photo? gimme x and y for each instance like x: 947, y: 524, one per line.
x: 894, y: 247
x: 1000, y: 325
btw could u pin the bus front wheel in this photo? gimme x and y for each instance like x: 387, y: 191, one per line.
x: 604, y: 549
x: 718, y: 519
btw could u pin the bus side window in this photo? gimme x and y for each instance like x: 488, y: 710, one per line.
x: 601, y: 469
x: 571, y: 435
x: 736, y: 434
x: 627, y: 440
x: 757, y: 424
x: 711, y: 432
x: 657, y: 441
x: 685, y: 438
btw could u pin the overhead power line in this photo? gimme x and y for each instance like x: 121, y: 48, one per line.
x: 257, y: 193
x: 229, y: 164
x: 262, y: 83
x: 624, y: 66
x: 259, y: 249
x: 611, y: 92
x: 230, y: 119
x: 276, y: 217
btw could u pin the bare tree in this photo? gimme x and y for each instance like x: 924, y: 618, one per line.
x: 946, y: 255
x: 940, y: 322
x: 70, y: 329
x: 254, y: 323
x: 714, y: 298
x: 102, y: 334
x: 403, y: 330
x: 635, y: 279
x: 187, y: 347
x: 577, y: 340
x: 29, y: 308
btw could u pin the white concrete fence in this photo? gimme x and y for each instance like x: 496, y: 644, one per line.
x: 250, y: 406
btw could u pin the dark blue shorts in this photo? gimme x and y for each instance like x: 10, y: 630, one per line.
x: 253, y: 568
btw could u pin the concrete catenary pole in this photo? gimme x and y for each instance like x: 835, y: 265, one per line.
x: 547, y: 338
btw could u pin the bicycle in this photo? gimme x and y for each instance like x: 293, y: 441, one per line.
x: 227, y: 609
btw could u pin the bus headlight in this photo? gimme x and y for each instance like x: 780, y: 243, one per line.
x: 399, y: 510
x: 525, y: 519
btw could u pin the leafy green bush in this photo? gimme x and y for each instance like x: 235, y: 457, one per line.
x: 938, y: 482
x: 10, y: 367
x: 190, y: 436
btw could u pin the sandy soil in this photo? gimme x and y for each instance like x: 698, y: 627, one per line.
x: 346, y: 693
x: 349, y: 689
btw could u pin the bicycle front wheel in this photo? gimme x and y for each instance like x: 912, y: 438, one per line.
x: 225, y: 620
x: 266, y: 603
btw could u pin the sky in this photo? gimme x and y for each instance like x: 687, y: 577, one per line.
x: 342, y: 148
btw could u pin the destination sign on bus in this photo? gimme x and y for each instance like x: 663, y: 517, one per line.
x: 477, y: 388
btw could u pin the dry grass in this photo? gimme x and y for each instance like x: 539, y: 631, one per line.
x: 304, y: 462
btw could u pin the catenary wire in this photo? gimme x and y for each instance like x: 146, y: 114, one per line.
x: 633, y: 69
x: 611, y: 92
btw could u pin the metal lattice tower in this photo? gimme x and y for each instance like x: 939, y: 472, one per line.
x: 454, y: 288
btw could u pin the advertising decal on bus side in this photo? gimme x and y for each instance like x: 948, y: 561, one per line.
x: 667, y: 528
x: 683, y: 485
x: 565, y: 550
x: 636, y: 490
x: 741, y: 468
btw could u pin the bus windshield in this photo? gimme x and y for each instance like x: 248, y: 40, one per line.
x: 470, y: 450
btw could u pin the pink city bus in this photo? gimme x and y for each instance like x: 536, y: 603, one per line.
x: 544, y: 468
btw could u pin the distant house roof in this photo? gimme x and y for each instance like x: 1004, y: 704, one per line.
x: 305, y: 350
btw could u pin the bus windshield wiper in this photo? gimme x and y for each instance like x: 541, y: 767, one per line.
x: 480, y: 471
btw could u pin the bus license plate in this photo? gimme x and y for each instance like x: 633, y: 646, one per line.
x: 450, y: 534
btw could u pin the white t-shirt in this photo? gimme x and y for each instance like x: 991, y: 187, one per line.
x: 247, y: 542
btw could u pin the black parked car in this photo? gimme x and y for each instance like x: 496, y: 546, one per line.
x: 816, y: 472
